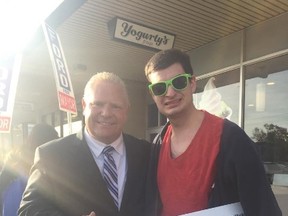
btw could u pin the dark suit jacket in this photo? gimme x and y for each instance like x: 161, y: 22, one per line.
x: 65, y: 180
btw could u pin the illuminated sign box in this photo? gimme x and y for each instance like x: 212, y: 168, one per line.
x: 127, y: 31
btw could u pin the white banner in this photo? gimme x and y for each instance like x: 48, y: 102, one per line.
x: 65, y: 92
x: 234, y: 209
x: 9, y: 74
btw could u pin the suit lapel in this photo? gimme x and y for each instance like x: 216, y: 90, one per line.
x: 97, y: 188
x: 133, y: 161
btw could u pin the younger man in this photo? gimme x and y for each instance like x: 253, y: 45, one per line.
x: 211, y: 161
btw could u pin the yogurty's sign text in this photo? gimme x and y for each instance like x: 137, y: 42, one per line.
x: 131, y: 32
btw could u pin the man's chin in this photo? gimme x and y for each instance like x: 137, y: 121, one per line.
x: 171, y: 112
x: 107, y: 139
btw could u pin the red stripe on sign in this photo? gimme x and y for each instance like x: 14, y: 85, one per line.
x: 4, y: 123
x: 67, y: 102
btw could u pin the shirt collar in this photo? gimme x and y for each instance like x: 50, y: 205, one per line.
x: 97, y: 147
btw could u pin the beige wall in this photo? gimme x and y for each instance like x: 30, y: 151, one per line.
x: 262, y: 39
x: 136, y: 124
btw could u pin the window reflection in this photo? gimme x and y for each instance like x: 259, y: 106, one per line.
x: 219, y: 95
x: 266, y: 115
x: 266, y: 101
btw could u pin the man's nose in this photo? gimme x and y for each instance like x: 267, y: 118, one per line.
x: 106, y: 110
x: 170, y: 90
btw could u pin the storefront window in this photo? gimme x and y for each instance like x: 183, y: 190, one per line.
x: 152, y: 115
x: 266, y: 115
x: 219, y: 95
x: 155, y: 121
x: 155, y: 118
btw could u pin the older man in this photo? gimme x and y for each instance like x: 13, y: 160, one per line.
x: 99, y: 170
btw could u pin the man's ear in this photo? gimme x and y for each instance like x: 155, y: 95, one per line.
x: 83, y: 102
x: 193, y: 83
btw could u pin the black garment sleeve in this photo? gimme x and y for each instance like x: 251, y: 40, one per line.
x: 241, y: 175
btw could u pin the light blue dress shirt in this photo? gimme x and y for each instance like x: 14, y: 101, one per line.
x: 119, y: 155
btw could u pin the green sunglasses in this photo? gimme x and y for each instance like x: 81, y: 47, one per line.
x: 179, y: 83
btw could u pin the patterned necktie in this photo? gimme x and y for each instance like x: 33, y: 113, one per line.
x: 110, y: 173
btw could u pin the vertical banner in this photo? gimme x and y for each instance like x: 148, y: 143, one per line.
x: 65, y: 92
x: 9, y: 73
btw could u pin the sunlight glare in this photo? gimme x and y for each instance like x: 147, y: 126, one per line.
x: 19, y: 21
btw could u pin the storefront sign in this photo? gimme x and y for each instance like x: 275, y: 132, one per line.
x: 65, y: 92
x: 138, y: 34
x: 9, y: 73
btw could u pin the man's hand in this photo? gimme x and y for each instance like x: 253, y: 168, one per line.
x: 91, y: 214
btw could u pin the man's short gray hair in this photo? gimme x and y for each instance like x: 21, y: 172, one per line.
x: 105, y: 76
